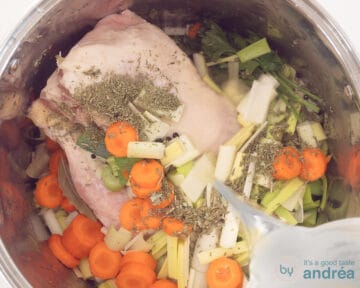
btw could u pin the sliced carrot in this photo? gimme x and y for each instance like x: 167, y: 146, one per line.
x: 175, y: 227
x: 130, y: 215
x: 138, y: 257
x: 142, y: 193
x: 193, y: 30
x: 314, y: 164
x: 163, y: 283
x: 168, y: 195
x: 224, y: 273
x: 146, y: 175
x: 150, y: 216
x: 48, y: 193
x: 117, y: 137
x: 104, y: 263
x: 10, y: 134
x: 81, y: 236
x: 67, y: 205
x: 287, y: 164
x: 51, y: 145
x: 55, y: 160
x: 135, y: 275
x: 60, y: 252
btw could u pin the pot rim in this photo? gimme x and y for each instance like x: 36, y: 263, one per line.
x: 326, y: 25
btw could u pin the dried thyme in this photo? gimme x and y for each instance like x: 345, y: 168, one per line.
x: 110, y: 97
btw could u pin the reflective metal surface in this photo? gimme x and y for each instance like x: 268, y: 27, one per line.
x: 303, y: 35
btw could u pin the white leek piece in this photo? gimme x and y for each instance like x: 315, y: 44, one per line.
x: 249, y: 180
x: 230, y: 229
x: 209, y: 194
x: 238, y: 166
x: 179, y: 151
x: 154, y: 128
x: 39, y: 162
x: 199, y: 280
x: 224, y: 162
x: 255, y: 105
x: 51, y: 221
x: 200, y: 175
x: 142, y: 149
x: 200, y: 64
x: 263, y: 180
x: 311, y: 133
x: 117, y: 239
x: 204, y: 243
x: 234, y: 88
x: 208, y: 256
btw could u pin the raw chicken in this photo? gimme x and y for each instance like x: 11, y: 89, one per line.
x: 127, y: 44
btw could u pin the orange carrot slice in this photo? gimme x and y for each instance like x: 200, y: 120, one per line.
x: 48, y: 193
x: 135, y: 275
x: 67, y: 205
x: 224, y: 273
x: 314, y: 164
x: 150, y: 217
x: 118, y: 136
x: 104, y: 263
x: 287, y: 164
x: 163, y: 283
x: 130, y: 215
x: 138, y: 257
x: 81, y: 236
x: 60, y: 252
x: 175, y: 227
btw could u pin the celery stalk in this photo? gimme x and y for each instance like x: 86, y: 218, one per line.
x: 324, y: 193
x: 160, y: 253
x: 310, y: 218
x: 257, y: 49
x: 163, y: 272
x: 172, y: 254
x: 285, y: 193
x: 85, y: 268
x: 241, y: 137
x: 156, y: 236
x: 285, y: 215
x: 183, y: 262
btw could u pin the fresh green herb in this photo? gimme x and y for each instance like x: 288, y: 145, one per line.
x: 92, y: 140
x: 255, y: 50
x: 215, y: 43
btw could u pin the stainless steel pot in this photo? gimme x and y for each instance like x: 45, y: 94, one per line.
x: 298, y: 29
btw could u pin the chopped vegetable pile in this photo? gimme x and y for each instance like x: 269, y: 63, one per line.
x: 176, y: 230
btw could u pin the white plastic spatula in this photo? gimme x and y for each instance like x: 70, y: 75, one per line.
x: 284, y: 256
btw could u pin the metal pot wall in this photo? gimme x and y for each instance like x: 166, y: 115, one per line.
x: 303, y: 35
